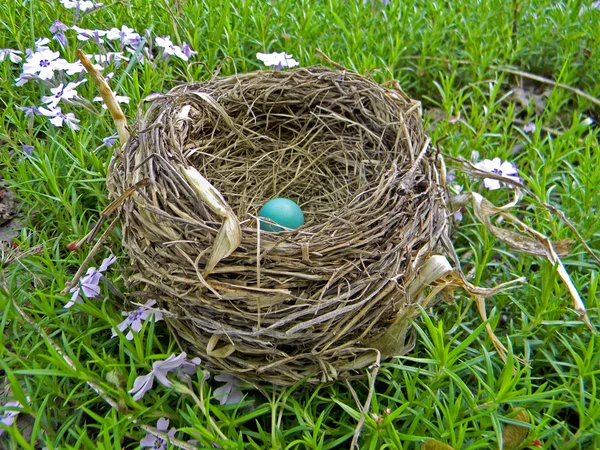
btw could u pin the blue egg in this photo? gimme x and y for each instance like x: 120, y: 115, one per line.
x: 282, y: 211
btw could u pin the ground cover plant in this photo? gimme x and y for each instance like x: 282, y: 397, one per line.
x: 88, y: 369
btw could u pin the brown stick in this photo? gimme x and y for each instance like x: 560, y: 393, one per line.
x: 108, y: 96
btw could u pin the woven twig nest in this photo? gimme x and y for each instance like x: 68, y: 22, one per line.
x: 311, y: 304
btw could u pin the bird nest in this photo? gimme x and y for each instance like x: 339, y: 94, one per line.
x: 312, y: 304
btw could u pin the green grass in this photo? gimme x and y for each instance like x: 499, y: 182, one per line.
x: 453, y: 387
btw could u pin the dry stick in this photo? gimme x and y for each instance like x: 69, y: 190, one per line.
x: 108, y: 96
x: 539, y: 201
x: 90, y: 255
x: 521, y: 73
x: 367, y: 406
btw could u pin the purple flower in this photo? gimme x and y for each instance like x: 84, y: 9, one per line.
x: 61, y: 92
x: 277, y: 60
x: 57, y: 26
x: 187, y: 50
x: 83, y: 34
x: 189, y: 367
x: 110, y: 141
x: 28, y: 149
x: 8, y: 416
x: 496, y: 166
x: 160, y: 369
x: 13, y: 55
x: 30, y: 111
x: 229, y: 393
x: 136, y: 317
x: 89, y: 282
x: 155, y: 442
x: 529, y: 127
x: 60, y: 38
x: 57, y: 117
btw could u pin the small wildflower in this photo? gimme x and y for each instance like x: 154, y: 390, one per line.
x: 127, y: 36
x: 57, y: 26
x: 83, y: 34
x: 40, y: 46
x: 187, y: 50
x: 61, y: 92
x: 229, y: 393
x: 80, y: 5
x: 8, y: 416
x: 496, y: 166
x: 110, y: 140
x: 136, y: 317
x: 155, y: 442
x: 57, y: 117
x: 109, y: 57
x: 13, y: 55
x: 189, y: 367
x: 160, y: 369
x: 171, y: 49
x: 60, y: 38
x: 118, y: 98
x: 28, y: 149
x: 30, y: 111
x: 89, y: 282
x: 42, y: 64
x: 529, y: 127
x: 277, y: 60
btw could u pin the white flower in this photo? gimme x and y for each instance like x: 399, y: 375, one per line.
x: 61, y: 92
x: 109, y: 57
x: 13, y: 55
x: 83, y: 34
x: 43, y: 64
x: 172, y: 49
x: 496, y: 166
x: 529, y: 127
x: 119, y: 98
x: 277, y: 59
x: 126, y: 35
x: 58, y: 117
x: 82, y: 5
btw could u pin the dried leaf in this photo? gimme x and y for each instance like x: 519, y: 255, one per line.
x: 514, y: 435
x: 229, y: 236
x: 222, y: 352
x: 432, y: 444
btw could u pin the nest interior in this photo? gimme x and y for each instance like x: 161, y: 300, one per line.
x: 312, y: 304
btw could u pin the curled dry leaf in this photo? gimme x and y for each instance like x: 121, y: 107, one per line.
x: 432, y: 444
x: 514, y: 435
x: 230, y: 235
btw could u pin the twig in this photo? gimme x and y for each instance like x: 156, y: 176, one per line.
x: 90, y: 255
x: 520, y: 73
x: 364, y: 409
x: 322, y: 55
x: 108, y: 96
